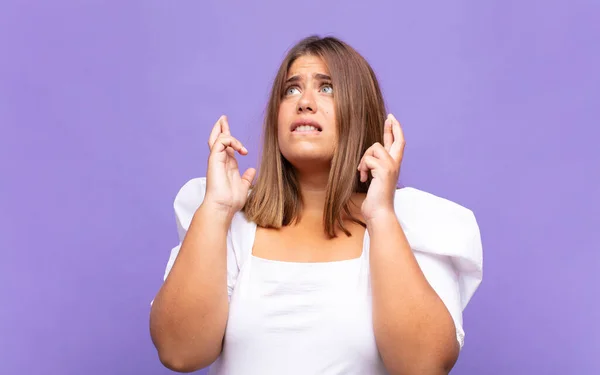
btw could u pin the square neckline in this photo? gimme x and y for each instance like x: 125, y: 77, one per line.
x: 313, y: 264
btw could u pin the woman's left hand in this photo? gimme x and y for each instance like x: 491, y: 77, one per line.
x: 383, y: 162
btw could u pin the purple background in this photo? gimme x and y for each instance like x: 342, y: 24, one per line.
x: 105, y: 109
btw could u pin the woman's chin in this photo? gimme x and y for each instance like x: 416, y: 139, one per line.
x: 309, y: 160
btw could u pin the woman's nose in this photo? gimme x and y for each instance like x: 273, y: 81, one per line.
x: 306, y: 103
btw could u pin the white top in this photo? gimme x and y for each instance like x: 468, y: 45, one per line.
x: 315, y: 318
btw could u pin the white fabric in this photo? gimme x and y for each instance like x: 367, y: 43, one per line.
x: 309, y: 318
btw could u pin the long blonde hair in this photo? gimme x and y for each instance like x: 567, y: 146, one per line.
x: 275, y: 199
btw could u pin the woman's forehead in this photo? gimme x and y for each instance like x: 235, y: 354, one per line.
x: 308, y: 65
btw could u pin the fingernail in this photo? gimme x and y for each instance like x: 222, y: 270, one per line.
x: 244, y: 149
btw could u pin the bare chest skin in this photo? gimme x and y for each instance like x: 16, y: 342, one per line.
x: 307, y: 242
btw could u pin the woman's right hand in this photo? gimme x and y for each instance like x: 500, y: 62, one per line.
x: 226, y: 189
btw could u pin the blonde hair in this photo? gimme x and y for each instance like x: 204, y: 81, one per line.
x: 275, y: 200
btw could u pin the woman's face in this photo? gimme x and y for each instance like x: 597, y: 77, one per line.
x: 307, y: 131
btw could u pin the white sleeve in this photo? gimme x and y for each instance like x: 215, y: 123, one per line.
x: 187, y: 201
x: 446, y: 242
x: 443, y: 278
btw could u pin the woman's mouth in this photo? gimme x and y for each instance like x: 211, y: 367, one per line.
x: 306, y: 129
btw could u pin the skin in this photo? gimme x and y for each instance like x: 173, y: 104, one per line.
x: 308, y: 95
x: 414, y: 331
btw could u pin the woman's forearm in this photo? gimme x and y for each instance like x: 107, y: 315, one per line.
x: 414, y: 331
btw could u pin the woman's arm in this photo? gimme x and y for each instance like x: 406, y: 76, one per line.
x: 415, y: 333
x: 189, y: 313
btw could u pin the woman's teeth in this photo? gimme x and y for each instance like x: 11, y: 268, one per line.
x: 306, y: 128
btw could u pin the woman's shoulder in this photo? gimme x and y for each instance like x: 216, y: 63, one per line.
x: 191, y: 193
x: 417, y: 204
x: 440, y: 226
x: 439, y: 219
x: 189, y: 198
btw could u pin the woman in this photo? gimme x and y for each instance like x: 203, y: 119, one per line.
x: 323, y: 266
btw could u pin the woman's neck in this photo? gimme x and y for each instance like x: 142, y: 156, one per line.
x: 313, y: 189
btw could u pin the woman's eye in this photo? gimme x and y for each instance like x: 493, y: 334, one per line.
x: 291, y: 90
x: 327, y: 89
